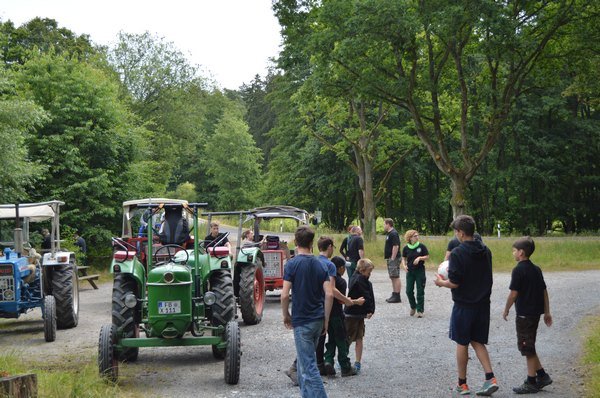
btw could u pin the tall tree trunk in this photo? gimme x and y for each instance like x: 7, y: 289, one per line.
x: 365, y: 181
x: 458, y: 185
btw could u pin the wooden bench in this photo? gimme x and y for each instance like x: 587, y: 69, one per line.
x: 83, y: 276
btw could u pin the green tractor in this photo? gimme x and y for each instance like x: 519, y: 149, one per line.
x: 171, y: 287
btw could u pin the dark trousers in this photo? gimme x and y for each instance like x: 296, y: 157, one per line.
x: 416, y: 277
x: 337, y: 339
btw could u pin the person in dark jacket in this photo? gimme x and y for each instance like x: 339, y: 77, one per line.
x: 470, y: 278
x: 359, y: 286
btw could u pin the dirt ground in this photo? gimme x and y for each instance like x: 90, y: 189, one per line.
x: 404, y: 356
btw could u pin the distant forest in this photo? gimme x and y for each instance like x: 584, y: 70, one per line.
x: 418, y: 111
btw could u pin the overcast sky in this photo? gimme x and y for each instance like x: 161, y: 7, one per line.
x: 232, y: 39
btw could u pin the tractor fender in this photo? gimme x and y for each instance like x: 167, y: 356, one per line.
x: 58, y: 258
x: 133, y: 267
x: 248, y: 255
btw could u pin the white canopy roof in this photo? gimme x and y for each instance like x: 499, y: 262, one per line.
x: 153, y: 201
x: 34, y: 211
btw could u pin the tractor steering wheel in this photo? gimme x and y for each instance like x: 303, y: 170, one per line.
x: 171, y: 256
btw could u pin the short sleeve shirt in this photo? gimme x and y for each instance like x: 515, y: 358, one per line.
x: 209, y: 240
x: 392, y: 239
x: 356, y: 244
x: 527, y: 279
x: 328, y: 265
x: 307, y: 275
x: 412, y: 254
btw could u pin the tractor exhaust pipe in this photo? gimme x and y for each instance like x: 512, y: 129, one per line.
x: 18, y: 234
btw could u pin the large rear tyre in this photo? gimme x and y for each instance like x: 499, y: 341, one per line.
x: 123, y: 317
x: 252, y: 292
x: 108, y: 364
x: 233, y: 353
x: 65, y: 289
x: 49, y: 314
x: 223, y: 310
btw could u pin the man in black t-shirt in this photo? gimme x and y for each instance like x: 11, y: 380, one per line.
x: 390, y: 254
x: 356, y: 249
x: 214, y: 238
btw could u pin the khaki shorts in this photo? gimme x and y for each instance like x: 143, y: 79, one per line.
x: 355, y: 329
x: 393, y: 267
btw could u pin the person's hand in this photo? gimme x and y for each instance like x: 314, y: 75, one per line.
x: 369, y: 315
x: 359, y: 301
x: 505, y: 315
x: 548, y: 320
x: 438, y: 280
x: 287, y: 320
x: 325, y: 327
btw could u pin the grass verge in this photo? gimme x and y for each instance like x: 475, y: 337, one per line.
x: 71, y: 377
x: 591, y: 359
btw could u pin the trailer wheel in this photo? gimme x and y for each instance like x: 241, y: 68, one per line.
x: 123, y: 317
x: 223, y: 310
x: 233, y: 353
x: 108, y: 364
x: 252, y: 292
x: 49, y: 313
x: 65, y: 289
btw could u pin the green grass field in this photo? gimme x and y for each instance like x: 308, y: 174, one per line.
x: 591, y: 358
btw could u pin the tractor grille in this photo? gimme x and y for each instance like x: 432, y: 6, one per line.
x: 272, y: 266
x: 7, y: 288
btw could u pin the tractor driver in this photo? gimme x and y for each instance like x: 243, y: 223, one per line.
x: 214, y: 236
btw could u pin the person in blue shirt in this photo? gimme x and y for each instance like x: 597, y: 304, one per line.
x: 312, y: 301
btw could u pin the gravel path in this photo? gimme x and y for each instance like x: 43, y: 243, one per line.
x: 404, y: 356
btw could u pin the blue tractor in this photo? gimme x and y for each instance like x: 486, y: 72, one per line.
x: 30, y: 280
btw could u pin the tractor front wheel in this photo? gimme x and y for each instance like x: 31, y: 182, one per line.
x: 49, y: 313
x: 108, y: 363
x: 233, y: 353
x: 123, y: 317
x: 65, y: 289
x: 223, y: 310
x: 252, y: 292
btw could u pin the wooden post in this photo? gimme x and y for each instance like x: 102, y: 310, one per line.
x: 23, y: 386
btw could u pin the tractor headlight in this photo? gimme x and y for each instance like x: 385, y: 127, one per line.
x: 224, y: 264
x: 169, y: 277
x: 9, y: 295
x: 209, y: 298
x: 130, y: 301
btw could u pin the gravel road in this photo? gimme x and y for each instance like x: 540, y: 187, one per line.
x: 404, y: 356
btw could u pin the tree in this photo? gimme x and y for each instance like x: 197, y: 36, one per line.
x: 18, y: 119
x: 232, y: 161
x: 457, y: 69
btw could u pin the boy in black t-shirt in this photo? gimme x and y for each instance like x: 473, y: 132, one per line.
x: 528, y: 290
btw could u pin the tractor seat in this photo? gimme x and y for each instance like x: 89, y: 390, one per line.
x: 175, y: 230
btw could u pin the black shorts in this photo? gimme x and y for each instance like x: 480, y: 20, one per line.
x: 526, y: 333
x: 470, y: 324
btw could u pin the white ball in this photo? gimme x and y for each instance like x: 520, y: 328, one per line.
x: 443, y: 270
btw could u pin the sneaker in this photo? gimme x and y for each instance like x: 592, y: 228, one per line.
x: 541, y: 382
x: 462, y: 389
x: 526, y: 388
x: 419, y: 315
x: 351, y: 371
x: 357, y: 367
x: 488, y: 388
x: 329, y: 369
x: 412, y: 312
x: 293, y: 375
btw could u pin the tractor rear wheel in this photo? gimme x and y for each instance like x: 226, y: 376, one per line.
x: 223, y: 310
x: 233, y: 353
x: 252, y: 292
x: 49, y: 313
x: 65, y: 289
x: 108, y: 364
x: 123, y: 317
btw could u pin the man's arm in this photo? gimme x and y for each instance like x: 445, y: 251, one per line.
x: 285, y: 304
x: 394, y: 252
x: 447, y: 256
x: 361, y: 253
x: 328, y: 303
x: 347, y: 300
x: 547, y: 315
x: 444, y: 282
x: 510, y: 300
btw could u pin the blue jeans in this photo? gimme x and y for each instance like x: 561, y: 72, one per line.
x: 306, y: 338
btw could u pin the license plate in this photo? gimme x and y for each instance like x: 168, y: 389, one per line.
x: 169, y: 307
